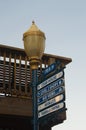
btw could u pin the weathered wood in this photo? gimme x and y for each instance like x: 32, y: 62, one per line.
x: 10, y: 73
x: 4, y: 70
x: 46, y: 57
x: 15, y: 75
x: 16, y: 106
x: 20, y: 75
x: 26, y: 82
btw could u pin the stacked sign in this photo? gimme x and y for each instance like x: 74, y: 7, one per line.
x: 51, y: 94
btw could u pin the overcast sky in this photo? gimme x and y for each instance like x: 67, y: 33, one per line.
x: 64, y: 24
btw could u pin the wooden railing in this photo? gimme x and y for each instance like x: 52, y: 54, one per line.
x: 15, y: 73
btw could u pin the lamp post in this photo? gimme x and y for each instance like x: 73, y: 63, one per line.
x: 34, y: 44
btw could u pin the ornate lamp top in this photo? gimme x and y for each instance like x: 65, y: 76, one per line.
x: 34, y: 44
x: 33, y: 30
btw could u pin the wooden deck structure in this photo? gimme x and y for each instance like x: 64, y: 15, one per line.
x: 15, y: 89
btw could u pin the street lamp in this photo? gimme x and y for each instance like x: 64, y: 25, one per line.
x: 34, y: 44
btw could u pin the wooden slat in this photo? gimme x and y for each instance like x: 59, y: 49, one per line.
x: 15, y: 74
x: 10, y: 73
x: 4, y: 70
x: 26, y: 82
x: 20, y: 75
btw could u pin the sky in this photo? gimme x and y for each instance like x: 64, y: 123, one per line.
x: 64, y: 24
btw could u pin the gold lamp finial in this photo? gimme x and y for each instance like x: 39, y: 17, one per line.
x: 33, y: 22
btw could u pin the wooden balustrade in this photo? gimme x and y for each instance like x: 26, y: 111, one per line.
x: 15, y: 76
x: 15, y: 73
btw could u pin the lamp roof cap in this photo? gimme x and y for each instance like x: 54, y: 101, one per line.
x: 34, y: 30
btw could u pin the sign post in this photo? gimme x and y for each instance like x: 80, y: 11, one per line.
x: 51, y: 91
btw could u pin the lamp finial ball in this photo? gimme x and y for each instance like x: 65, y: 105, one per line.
x: 33, y: 22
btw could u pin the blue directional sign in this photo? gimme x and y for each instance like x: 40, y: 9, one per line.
x: 50, y: 95
x: 53, y: 85
x: 51, y: 79
x: 51, y: 109
x: 49, y: 69
x: 51, y: 102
